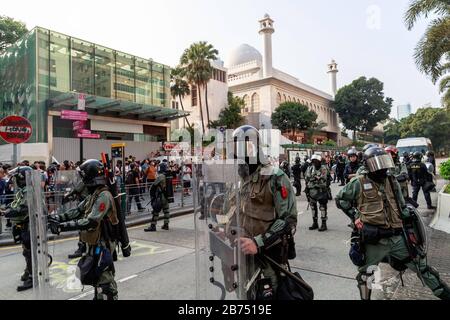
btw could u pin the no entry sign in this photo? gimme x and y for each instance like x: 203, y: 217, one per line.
x: 15, y: 129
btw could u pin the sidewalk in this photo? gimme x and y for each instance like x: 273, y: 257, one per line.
x: 438, y: 257
x: 132, y: 220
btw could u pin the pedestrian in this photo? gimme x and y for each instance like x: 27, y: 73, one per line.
x: 375, y: 204
x: 340, y: 167
x: 297, y: 173
x: 186, y: 178
x: 132, y: 182
x: 159, y: 201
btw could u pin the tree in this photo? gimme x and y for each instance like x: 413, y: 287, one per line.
x: 290, y: 116
x: 230, y: 116
x: 10, y: 31
x: 196, y: 67
x: 432, y: 53
x: 433, y: 123
x: 179, y: 88
x: 362, y: 105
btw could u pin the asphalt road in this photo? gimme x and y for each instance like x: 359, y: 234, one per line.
x: 162, y: 263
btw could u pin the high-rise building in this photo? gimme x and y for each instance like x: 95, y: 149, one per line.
x: 403, y: 111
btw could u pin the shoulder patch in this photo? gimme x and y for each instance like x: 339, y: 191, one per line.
x: 102, y: 207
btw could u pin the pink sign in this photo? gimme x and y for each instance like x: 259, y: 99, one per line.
x: 77, y: 125
x: 84, y: 131
x: 74, y: 115
x: 88, y: 135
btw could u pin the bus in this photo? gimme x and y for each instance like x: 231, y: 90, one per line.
x: 413, y: 145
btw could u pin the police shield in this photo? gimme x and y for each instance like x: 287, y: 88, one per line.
x: 54, y: 275
x: 222, y: 270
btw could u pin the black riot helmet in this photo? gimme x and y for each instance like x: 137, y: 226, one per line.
x: 92, y: 173
x: 417, y: 156
x: 377, y: 159
x: 297, y: 160
x: 352, y: 153
x: 247, y: 143
x: 19, y: 175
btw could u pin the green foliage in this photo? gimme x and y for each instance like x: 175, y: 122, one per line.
x: 230, y: 117
x: 432, y: 52
x: 10, y: 31
x: 432, y: 123
x: 330, y: 143
x: 362, y: 105
x: 444, y: 170
x: 292, y: 116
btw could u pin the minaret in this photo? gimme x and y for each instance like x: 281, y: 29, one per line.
x: 266, y: 30
x: 333, y: 70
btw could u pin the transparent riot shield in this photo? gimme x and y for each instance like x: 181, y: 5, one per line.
x: 54, y: 275
x: 222, y: 270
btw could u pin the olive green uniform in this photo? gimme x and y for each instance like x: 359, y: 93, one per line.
x: 400, y: 172
x: 159, y: 189
x: 89, y: 216
x: 317, y: 190
x: 375, y: 205
x: 268, y: 212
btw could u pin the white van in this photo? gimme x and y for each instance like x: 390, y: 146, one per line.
x: 414, y: 144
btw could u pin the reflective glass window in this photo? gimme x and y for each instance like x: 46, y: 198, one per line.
x: 124, y: 84
x: 82, y: 66
x: 104, y: 72
x: 143, y: 82
x: 58, y: 66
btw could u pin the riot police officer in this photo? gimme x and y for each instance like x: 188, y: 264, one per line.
x: 317, y: 191
x: 95, y: 216
x: 375, y: 203
x: 17, y: 212
x: 400, y: 172
x: 285, y: 167
x: 268, y: 207
x: 297, y: 172
x: 159, y: 201
x: 352, y: 166
x: 418, y: 174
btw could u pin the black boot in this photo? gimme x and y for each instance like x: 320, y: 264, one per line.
x: 315, y: 225
x: 165, y: 226
x: 323, y: 227
x: 25, y: 275
x: 28, y: 284
x: 151, y: 228
x: 445, y: 295
x: 79, y: 252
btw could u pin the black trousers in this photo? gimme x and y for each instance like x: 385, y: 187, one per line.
x: 134, y: 193
x: 26, y: 250
x: 415, y: 195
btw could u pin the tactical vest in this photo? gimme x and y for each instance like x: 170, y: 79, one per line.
x: 257, y: 207
x: 378, y: 208
x: 92, y: 237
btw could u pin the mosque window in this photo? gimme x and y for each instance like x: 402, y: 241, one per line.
x: 284, y: 98
x: 247, y: 103
x: 255, y: 103
x: 278, y: 98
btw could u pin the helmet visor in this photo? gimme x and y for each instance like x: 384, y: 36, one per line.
x: 380, y: 162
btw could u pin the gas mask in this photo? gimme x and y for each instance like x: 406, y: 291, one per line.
x: 378, y: 176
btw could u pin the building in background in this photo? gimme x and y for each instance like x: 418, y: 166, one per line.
x: 217, y: 99
x: 127, y: 98
x: 251, y: 76
x: 403, y: 111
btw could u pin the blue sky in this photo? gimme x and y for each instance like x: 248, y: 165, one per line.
x: 365, y: 37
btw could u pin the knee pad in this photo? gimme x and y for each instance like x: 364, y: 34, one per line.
x: 364, y: 290
x: 108, y: 291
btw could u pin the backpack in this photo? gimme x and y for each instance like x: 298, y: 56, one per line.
x: 130, y: 178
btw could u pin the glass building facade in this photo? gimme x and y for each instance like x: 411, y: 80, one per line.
x: 45, y: 65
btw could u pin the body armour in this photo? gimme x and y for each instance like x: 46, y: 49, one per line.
x: 92, y: 237
x: 257, y: 205
x: 377, y: 204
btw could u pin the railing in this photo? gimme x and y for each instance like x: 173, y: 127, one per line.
x: 182, y: 198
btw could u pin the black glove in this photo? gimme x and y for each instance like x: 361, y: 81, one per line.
x: 53, y: 224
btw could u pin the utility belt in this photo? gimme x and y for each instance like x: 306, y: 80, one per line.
x: 17, y: 231
x: 371, y: 234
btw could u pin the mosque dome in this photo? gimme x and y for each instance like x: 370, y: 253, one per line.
x: 242, y: 54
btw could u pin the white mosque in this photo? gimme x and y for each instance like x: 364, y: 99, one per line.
x: 251, y: 76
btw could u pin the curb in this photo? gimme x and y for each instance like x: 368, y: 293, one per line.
x: 132, y: 222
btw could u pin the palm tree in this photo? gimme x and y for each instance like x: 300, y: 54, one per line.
x: 179, y: 88
x: 432, y: 53
x: 196, y: 67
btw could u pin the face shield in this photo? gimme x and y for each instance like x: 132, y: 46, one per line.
x: 380, y: 162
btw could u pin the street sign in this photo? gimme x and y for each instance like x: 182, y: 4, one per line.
x: 88, y: 135
x: 222, y: 129
x: 15, y: 129
x: 81, y: 102
x: 74, y: 115
x: 78, y: 125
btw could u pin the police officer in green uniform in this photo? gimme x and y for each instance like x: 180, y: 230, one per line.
x: 95, y: 216
x: 400, y: 172
x: 17, y: 211
x: 268, y: 212
x: 375, y: 203
x: 159, y: 201
x: 317, y: 191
